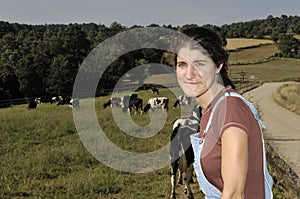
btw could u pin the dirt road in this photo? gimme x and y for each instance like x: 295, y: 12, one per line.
x: 283, y: 126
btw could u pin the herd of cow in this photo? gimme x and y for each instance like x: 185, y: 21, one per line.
x: 181, y: 152
x: 130, y: 102
x: 58, y: 100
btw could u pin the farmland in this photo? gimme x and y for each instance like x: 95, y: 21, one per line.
x: 42, y: 155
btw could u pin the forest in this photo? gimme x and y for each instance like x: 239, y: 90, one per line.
x: 43, y: 60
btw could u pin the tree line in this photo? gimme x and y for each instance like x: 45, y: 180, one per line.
x: 43, y: 60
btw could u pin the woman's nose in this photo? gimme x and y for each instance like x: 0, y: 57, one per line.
x: 190, y: 72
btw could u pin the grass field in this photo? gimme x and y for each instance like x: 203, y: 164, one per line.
x: 297, y: 37
x: 252, y: 55
x: 275, y: 70
x: 43, y: 157
x: 235, y: 43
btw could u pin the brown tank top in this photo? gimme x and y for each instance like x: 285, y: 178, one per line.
x: 232, y: 112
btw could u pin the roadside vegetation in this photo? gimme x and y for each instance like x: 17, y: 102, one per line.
x: 288, y: 96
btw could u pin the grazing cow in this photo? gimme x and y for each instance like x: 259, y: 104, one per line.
x: 182, y: 100
x: 129, y: 102
x: 157, y: 102
x: 154, y: 90
x: 113, y: 102
x: 181, y: 151
x: 38, y: 100
x: 64, y: 101
x: 56, y: 99
x: 60, y: 100
x: 32, y: 104
x: 74, y: 102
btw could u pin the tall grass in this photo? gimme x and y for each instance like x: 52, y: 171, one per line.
x: 288, y: 96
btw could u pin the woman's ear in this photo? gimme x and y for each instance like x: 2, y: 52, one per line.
x: 219, y: 68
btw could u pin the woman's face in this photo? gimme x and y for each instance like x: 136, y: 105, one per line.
x: 196, y: 72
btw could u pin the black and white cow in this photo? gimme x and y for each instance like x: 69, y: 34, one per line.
x: 113, y: 102
x: 60, y: 100
x: 154, y: 90
x: 157, y: 102
x: 129, y: 102
x: 31, y: 104
x: 183, y: 100
x: 38, y: 100
x: 74, y: 102
x: 181, y: 151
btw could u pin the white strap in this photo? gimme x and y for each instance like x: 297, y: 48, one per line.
x: 233, y: 94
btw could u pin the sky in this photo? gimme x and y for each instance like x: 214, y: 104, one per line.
x: 141, y: 12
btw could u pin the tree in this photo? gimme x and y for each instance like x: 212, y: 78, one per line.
x: 288, y: 45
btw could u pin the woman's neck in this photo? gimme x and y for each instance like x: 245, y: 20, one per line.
x: 205, y: 99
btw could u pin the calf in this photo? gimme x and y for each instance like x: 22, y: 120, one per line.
x: 181, y: 151
x: 183, y: 100
x: 157, y: 102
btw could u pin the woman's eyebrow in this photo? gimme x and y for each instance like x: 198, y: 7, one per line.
x: 199, y: 61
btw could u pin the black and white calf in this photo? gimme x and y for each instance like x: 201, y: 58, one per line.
x: 183, y: 100
x: 181, y: 151
x: 156, y: 103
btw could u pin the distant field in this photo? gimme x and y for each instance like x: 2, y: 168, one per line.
x: 270, y: 71
x: 253, y: 55
x: 297, y: 37
x: 235, y: 43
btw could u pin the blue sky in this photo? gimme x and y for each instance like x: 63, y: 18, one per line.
x: 140, y: 12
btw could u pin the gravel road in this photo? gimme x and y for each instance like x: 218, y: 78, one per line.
x: 283, y: 126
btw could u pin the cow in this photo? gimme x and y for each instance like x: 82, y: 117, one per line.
x: 157, y: 102
x: 74, y: 102
x: 38, y: 100
x: 60, y: 100
x: 181, y: 151
x: 56, y: 99
x: 32, y: 104
x: 129, y: 102
x: 182, y: 100
x: 113, y: 102
x: 154, y: 90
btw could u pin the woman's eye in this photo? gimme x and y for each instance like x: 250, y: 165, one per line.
x: 198, y: 64
x: 181, y: 65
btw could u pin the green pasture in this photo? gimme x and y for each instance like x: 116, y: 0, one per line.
x: 274, y: 70
x: 42, y: 155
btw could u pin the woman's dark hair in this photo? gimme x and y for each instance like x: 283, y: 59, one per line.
x: 212, y: 43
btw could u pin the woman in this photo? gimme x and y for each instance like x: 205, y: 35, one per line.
x: 229, y: 149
